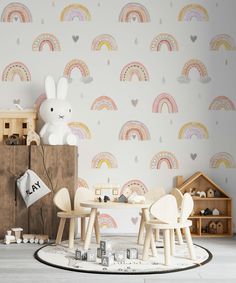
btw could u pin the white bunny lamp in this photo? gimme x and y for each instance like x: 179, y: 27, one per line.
x: 56, y: 113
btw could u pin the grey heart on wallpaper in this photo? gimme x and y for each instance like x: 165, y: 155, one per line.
x: 75, y: 38
x: 136, y: 159
x: 16, y: 101
x: 99, y: 4
x: 217, y: 122
x: 134, y: 220
x: 134, y: 102
x: 193, y: 156
x: 171, y: 4
x: 99, y: 123
x: 193, y: 38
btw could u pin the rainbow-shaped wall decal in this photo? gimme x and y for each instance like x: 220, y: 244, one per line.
x: 134, y: 12
x: 134, y: 130
x: 16, y: 68
x: 222, y: 103
x: 82, y: 183
x: 165, y: 39
x: 80, y: 130
x: 134, y: 69
x: 164, y: 99
x: 39, y: 100
x: 106, y: 40
x: 75, y: 12
x: 164, y: 157
x: 106, y: 221
x: 135, y: 186
x: 16, y: 12
x: 194, y: 64
x: 222, y: 158
x: 103, y: 103
x: 83, y: 68
x: 46, y: 39
x: 104, y: 158
x: 222, y: 40
x: 191, y: 129
x: 193, y: 11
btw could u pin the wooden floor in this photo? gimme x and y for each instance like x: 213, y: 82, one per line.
x: 17, y: 264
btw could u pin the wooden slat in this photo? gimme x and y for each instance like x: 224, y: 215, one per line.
x: 57, y: 167
x: 21, y: 164
x: 7, y: 190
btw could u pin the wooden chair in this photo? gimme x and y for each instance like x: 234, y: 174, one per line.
x: 179, y: 198
x: 63, y: 202
x: 165, y: 210
x: 151, y: 196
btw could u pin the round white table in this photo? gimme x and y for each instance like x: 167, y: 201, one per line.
x: 95, y: 205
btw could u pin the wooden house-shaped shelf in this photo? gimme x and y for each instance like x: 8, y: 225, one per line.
x: 17, y: 123
x: 216, y: 199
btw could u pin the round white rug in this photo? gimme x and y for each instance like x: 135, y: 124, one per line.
x: 61, y: 256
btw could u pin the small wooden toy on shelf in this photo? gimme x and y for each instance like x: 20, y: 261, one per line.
x: 215, y: 212
x: 201, y: 194
x: 210, y: 193
x: 219, y: 227
x: 212, y: 227
x: 108, y: 190
x: 16, y: 123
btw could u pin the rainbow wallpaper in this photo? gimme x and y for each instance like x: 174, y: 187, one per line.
x: 152, y: 85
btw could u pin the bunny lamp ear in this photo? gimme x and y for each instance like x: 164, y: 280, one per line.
x: 50, y: 87
x: 62, y: 87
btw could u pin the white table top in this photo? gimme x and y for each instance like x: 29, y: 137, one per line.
x: 112, y: 204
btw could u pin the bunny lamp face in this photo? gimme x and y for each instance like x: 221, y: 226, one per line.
x: 55, y: 110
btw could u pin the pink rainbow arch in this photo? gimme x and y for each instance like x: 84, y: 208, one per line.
x: 164, y: 99
x: 164, y: 39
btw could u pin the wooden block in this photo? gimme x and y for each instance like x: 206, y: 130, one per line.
x: 132, y: 253
x: 107, y: 260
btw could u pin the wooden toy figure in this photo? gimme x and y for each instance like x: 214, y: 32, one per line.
x: 132, y: 253
x: 122, y: 198
x: 105, y: 246
x: 215, y: 212
x: 107, y: 260
x: 120, y: 255
x: 210, y: 193
x: 212, y: 227
x: 219, y: 227
x: 91, y: 255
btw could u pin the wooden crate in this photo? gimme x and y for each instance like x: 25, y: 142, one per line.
x: 222, y: 202
x: 55, y: 165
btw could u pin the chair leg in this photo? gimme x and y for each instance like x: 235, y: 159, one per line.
x: 179, y: 236
x: 157, y: 235
x: 167, y: 246
x: 141, y: 230
x: 190, y: 243
x: 60, y: 230
x: 82, y: 229
x: 97, y: 229
x: 147, y: 242
x: 71, y: 233
x: 172, y: 241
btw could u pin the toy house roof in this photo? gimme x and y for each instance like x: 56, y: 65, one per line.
x: 198, y: 175
x: 18, y: 114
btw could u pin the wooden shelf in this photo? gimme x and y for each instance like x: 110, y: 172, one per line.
x: 210, y: 217
x: 222, y: 223
x: 207, y: 199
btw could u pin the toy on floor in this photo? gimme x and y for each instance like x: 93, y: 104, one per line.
x: 35, y: 238
x: 56, y: 113
x: 16, y: 238
x: 107, y: 255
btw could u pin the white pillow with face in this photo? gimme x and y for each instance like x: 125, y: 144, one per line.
x: 31, y: 187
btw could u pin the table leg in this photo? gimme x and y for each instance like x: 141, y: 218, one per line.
x: 71, y: 233
x: 90, y: 228
x: 147, y: 218
x: 141, y: 229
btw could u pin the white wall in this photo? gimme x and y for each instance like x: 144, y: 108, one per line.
x: 133, y: 99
